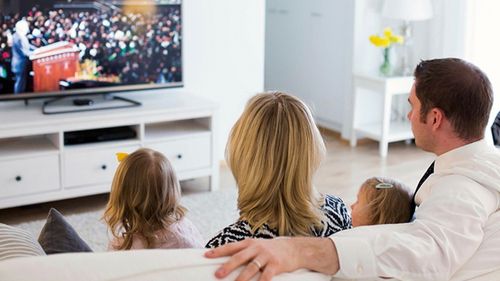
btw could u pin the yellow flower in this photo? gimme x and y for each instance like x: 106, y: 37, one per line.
x: 380, y: 41
x: 388, y: 32
x: 387, y: 39
x: 397, y: 39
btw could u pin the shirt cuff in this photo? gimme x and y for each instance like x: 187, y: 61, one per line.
x: 356, y: 258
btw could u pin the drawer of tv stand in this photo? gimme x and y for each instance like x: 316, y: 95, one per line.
x: 92, y: 166
x: 29, y: 175
x: 189, y: 153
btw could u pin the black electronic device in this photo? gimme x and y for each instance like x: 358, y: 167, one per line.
x: 99, y: 135
x: 80, y: 102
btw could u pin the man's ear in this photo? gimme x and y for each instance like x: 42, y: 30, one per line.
x: 437, y: 118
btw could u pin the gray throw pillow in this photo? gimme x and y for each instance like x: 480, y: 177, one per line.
x: 15, y: 242
x: 58, y: 236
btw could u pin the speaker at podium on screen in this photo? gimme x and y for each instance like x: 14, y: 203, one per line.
x: 53, y: 63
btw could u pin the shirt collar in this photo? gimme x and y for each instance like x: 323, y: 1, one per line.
x: 450, y: 158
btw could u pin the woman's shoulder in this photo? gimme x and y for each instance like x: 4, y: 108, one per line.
x: 333, y: 205
x: 239, y: 231
x: 231, y: 233
x: 336, y: 216
x: 330, y: 200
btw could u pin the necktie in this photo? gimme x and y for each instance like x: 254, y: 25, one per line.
x: 429, y: 171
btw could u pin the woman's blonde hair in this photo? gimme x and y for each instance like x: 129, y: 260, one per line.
x: 387, y: 204
x: 273, y: 150
x: 144, y: 198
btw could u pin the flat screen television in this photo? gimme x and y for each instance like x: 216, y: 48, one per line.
x: 61, y: 48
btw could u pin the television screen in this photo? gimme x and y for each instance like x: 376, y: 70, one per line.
x: 56, y: 47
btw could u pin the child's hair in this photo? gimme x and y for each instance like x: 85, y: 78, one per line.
x: 387, y: 204
x: 273, y: 150
x: 144, y: 198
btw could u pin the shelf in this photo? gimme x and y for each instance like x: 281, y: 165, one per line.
x: 102, y: 137
x: 174, y: 130
x: 27, y: 147
x: 394, y: 85
x: 398, y: 131
x: 103, y: 144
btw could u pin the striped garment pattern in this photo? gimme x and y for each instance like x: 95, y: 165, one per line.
x: 336, y: 218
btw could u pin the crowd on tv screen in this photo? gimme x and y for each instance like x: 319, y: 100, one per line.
x: 135, y: 47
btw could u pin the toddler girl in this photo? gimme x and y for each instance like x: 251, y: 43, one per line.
x: 143, y: 210
x: 381, y: 201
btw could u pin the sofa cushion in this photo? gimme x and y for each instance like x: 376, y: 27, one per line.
x: 58, y: 236
x: 15, y: 242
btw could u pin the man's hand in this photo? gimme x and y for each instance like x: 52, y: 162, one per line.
x: 276, y: 256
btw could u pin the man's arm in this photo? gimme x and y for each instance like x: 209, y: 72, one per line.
x: 447, y: 231
x: 277, y: 256
x: 27, y: 48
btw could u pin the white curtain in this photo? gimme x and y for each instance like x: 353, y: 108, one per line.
x: 483, y: 45
x: 468, y: 29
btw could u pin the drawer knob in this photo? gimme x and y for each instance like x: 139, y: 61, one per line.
x: 104, y: 167
x: 179, y: 156
x: 18, y: 178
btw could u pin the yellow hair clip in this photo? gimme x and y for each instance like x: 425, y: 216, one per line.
x: 121, y: 156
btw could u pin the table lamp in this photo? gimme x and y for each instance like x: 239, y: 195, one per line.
x: 408, y: 11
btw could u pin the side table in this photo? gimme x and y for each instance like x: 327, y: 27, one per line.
x: 384, y: 131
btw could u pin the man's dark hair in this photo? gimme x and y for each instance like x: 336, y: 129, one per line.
x: 460, y: 89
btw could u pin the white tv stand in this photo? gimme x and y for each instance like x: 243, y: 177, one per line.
x: 36, y: 166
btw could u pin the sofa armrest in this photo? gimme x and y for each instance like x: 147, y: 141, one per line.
x: 178, y: 264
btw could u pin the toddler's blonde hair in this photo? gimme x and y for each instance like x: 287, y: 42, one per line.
x: 145, y: 198
x: 387, y: 205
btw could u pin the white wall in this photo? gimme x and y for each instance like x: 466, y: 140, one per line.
x: 223, y: 55
x: 366, y: 59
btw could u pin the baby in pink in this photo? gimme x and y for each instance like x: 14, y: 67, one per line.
x: 182, y: 234
x: 144, y: 210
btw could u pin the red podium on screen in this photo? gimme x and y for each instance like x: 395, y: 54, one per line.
x: 52, y: 63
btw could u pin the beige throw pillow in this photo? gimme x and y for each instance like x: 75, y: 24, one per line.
x: 15, y: 242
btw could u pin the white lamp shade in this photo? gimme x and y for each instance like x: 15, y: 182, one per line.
x: 408, y: 10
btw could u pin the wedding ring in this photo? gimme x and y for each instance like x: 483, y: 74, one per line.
x: 257, y: 264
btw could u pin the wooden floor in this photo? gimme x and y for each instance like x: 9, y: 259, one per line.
x: 343, y: 170
x: 345, y: 167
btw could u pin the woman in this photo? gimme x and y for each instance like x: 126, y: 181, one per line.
x: 273, y: 151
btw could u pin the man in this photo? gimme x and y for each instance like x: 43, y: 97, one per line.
x: 458, y: 212
x: 21, y: 50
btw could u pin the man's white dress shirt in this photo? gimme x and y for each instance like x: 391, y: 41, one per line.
x: 456, y: 231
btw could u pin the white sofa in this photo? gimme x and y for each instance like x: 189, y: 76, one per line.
x: 151, y: 265
x: 22, y: 258
x: 164, y: 265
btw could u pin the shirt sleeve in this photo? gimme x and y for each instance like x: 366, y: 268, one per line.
x: 27, y: 48
x: 446, y: 232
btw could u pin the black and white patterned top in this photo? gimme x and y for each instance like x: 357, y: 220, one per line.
x: 336, y: 218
